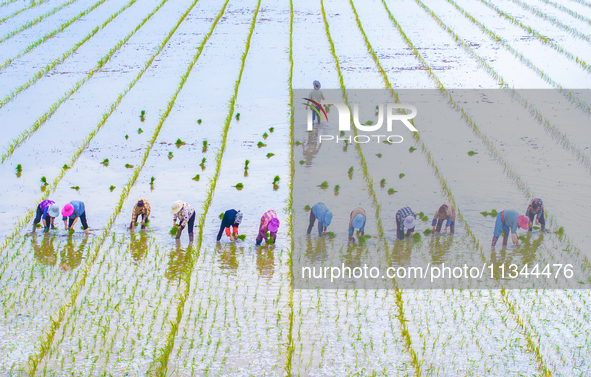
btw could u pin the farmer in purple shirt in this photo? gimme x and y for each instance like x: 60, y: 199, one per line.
x: 73, y: 211
x: 509, y: 220
x: 47, y: 211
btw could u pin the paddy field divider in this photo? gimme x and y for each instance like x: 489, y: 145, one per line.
x: 35, y: 21
x: 416, y: 363
x: 159, y: 365
x: 15, y: 13
x: 52, y: 33
x: 20, y: 139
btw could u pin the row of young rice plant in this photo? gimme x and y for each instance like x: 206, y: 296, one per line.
x: 528, y: 335
x: 21, y: 134
x: 18, y: 9
x: 36, y: 43
x: 44, y: 344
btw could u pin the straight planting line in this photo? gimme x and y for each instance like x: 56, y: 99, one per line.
x: 550, y: 128
x: 5, y: 3
x: 34, y: 4
x: 290, y: 340
x: 159, y: 366
x: 398, y: 293
x: 35, y: 21
x: 18, y: 141
x: 569, y: 11
x: 44, y: 344
x: 43, y: 39
x: 582, y: 63
x: 533, y: 348
x: 583, y: 3
x: 53, y: 185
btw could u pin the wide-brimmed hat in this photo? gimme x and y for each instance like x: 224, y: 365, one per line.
x: 68, y: 210
x: 273, y: 225
x: 238, y: 218
x: 409, y: 222
x: 358, y: 221
x: 176, y: 206
x: 523, y: 222
x: 327, y: 219
x: 53, y: 210
x: 316, y: 84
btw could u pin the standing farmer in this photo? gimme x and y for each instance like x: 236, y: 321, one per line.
x: 535, y: 209
x: 357, y: 220
x: 232, y: 218
x: 72, y: 212
x: 141, y: 207
x: 405, y: 218
x: 185, y: 215
x: 269, y: 223
x: 47, y: 211
x: 447, y: 213
x: 317, y: 96
x: 324, y: 216
x: 509, y: 219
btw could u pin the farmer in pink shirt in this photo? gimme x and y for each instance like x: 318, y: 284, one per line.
x: 269, y: 223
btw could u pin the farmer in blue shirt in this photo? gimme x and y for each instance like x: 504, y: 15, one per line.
x: 324, y: 216
x: 232, y: 218
x: 47, y: 211
x: 73, y: 211
x: 509, y: 220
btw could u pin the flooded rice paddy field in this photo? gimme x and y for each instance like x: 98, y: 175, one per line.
x: 75, y: 76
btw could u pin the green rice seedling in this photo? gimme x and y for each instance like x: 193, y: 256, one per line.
x: 386, y: 142
x: 152, y: 179
x: 38, y: 225
x: 307, y: 208
x: 112, y: 188
x: 238, y: 116
x: 536, y: 227
x: 401, y: 175
x: 560, y: 231
x: 336, y: 189
x: 203, y: 161
x: 44, y: 181
x: 143, y: 115
x: 221, y: 216
x: 297, y: 142
x: 179, y: 143
x: 276, y: 179
x: 494, y: 213
x: 351, y: 170
x: 302, y: 162
x: 126, y: 137
x: 170, y: 155
x: 196, y: 178
x: 342, y: 133
x: 242, y: 237
x: 139, y: 130
x: 105, y: 162
x: 363, y: 239
x: 416, y: 237
x: 270, y: 240
x: 391, y: 191
x: 522, y: 237
x: 205, y: 144
x: 129, y: 166
x: 271, y: 129
x: 65, y: 167
x: 75, y: 188
x: 199, y: 121
x: 383, y: 183
x: 269, y: 155
x: 368, y: 123
x: 412, y: 149
x: 265, y: 135
x: 173, y: 231
x: 246, y: 162
x: 260, y: 144
x: 379, y: 155
x: 331, y: 235
x: 239, y: 186
x: 427, y: 231
x: 484, y: 213
x: 472, y: 153
x: 19, y: 168
x: 323, y: 185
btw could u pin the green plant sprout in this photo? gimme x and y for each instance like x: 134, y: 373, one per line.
x: 152, y: 179
x: 199, y: 121
x: 238, y: 116
x: 139, y: 130
x: 65, y: 167
x: 246, y: 162
x: 221, y: 216
x: 205, y: 144
x: 323, y: 185
x: 342, y: 133
x: 105, y: 162
x: 560, y: 231
x: 241, y: 237
x: 112, y: 188
x: 129, y: 166
x: 391, y: 191
x: 331, y: 235
x: 416, y: 237
x: 297, y: 142
x: 143, y: 115
x: 75, y: 188
x: 170, y: 155
x: 276, y: 179
x: 302, y: 162
x: 260, y: 144
x: 412, y: 149
x: 386, y: 142
x: 401, y: 175
x: 203, y: 160
x: 379, y: 155
x: 173, y: 231
x: 492, y: 213
x: 368, y: 123
x: 126, y: 137
x: 363, y: 239
x: 271, y: 129
x: 38, y: 225
x: 44, y: 181
x: 427, y: 231
x: 269, y: 155
x: 383, y: 183
x: 336, y: 189
x: 351, y: 170
x: 19, y: 168
x: 179, y: 143
x: 239, y: 186
x: 522, y: 237
x: 265, y: 135
x: 196, y: 178
x: 472, y: 153
x: 307, y: 208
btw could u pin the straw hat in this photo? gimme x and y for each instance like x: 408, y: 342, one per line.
x: 409, y: 222
x: 176, y: 206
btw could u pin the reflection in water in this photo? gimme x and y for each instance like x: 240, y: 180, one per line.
x: 401, y: 252
x: 265, y: 261
x: 521, y: 255
x: 138, y: 246
x: 178, y: 260
x: 311, y: 146
x: 228, y: 257
x: 439, y: 247
x: 45, y: 252
x: 316, y: 249
x: 70, y: 256
x: 352, y: 258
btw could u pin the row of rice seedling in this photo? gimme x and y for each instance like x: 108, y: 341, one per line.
x: 82, y: 147
x: 23, y: 136
x: 51, y: 34
x: 25, y: 8
x: 164, y: 349
x: 35, y: 21
x: 569, y: 11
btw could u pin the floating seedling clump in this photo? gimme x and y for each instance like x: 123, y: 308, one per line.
x: 65, y: 167
x: 129, y: 166
x: 260, y: 144
x: 242, y: 237
x: 202, y: 164
x: 331, y: 235
x: 143, y: 115
x: 276, y: 179
x: 265, y: 135
x: 307, y: 208
x: 427, y: 231
x: 383, y: 182
x: 560, y: 231
x: 105, y: 162
x: 199, y: 121
x: 472, y: 153
x: 179, y: 143
x: 205, y: 144
x: 492, y: 213
x: 416, y: 237
x: 238, y: 116
x: 412, y: 149
x: 196, y: 178
x: 246, y: 162
x: 75, y: 188
x: 139, y: 130
x: 336, y: 189
x: 323, y: 185
x: 19, y: 170
x: 297, y: 142
x: 379, y: 155
x: 342, y: 133
x: 239, y: 186
x: 271, y: 129
x: 401, y: 175
x: 170, y: 155
x: 269, y: 155
x: 126, y: 137
x: 351, y: 170
x: 391, y: 191
x: 302, y: 162
x: 112, y: 188
x: 221, y: 215
x: 152, y: 179
x: 43, y: 181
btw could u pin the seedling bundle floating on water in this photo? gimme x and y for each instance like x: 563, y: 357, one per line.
x: 302, y: 162
x: 416, y: 237
x: 238, y: 116
x: 472, y: 153
x: 260, y: 144
x: 323, y: 185
x: 427, y: 231
x: 44, y: 181
x: 199, y: 121
x: 271, y: 129
x: 276, y: 179
x: 492, y: 213
x: 112, y: 188
x: 179, y: 143
x: 246, y: 162
x: 412, y: 149
x: 202, y: 164
x: 269, y: 155
x: 143, y: 115
x: 379, y: 155
x: 331, y: 235
x: 242, y: 237
x: 129, y: 166
x: 401, y: 175
x: 75, y: 188
x: 152, y: 180
x: 336, y: 189
x: 126, y: 137
x: 205, y: 146
x: 265, y: 135
x: 391, y: 191
x: 239, y: 186
x: 297, y: 142
x: 383, y: 182
x: 170, y: 155
x: 307, y: 207
x: 139, y: 130
x: 105, y: 162
x: 19, y: 169
x: 196, y: 178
